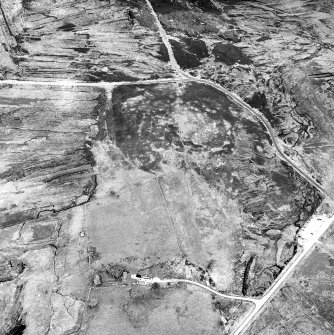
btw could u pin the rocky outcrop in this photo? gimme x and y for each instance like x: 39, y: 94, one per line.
x: 47, y: 165
x: 91, y: 40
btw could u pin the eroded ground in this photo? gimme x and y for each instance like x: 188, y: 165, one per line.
x: 305, y: 304
x: 170, y: 179
x: 87, y: 40
x: 277, y: 56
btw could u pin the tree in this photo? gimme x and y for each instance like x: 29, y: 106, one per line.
x: 155, y: 286
x: 115, y: 270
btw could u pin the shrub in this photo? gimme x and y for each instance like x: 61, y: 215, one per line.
x: 115, y: 270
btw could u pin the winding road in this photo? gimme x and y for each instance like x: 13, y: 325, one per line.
x: 315, y: 229
x: 208, y: 288
x: 185, y: 78
x: 271, y: 132
x: 306, y: 245
x: 235, y: 97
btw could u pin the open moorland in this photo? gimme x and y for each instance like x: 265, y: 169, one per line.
x: 160, y: 163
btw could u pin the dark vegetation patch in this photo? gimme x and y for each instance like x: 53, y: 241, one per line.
x: 252, y: 128
x: 246, y: 275
x: 67, y: 27
x: 12, y: 219
x: 229, y: 54
x: 196, y: 46
x: 130, y: 3
x: 93, y: 254
x: 18, y: 329
x: 134, y: 131
x: 283, y: 176
x: 185, y: 59
x: 219, y: 104
x: 259, y: 160
x: 206, y: 6
x: 18, y: 47
x: 83, y: 50
x: 259, y: 101
x: 263, y: 38
x: 167, y: 6
x: 190, y: 52
x: 170, y: 6
x: 234, y: 2
x: 26, y: 4
x: 115, y: 270
x: 163, y: 53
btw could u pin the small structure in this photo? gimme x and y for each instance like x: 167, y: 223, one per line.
x: 145, y: 280
x: 97, y: 280
x: 124, y: 276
